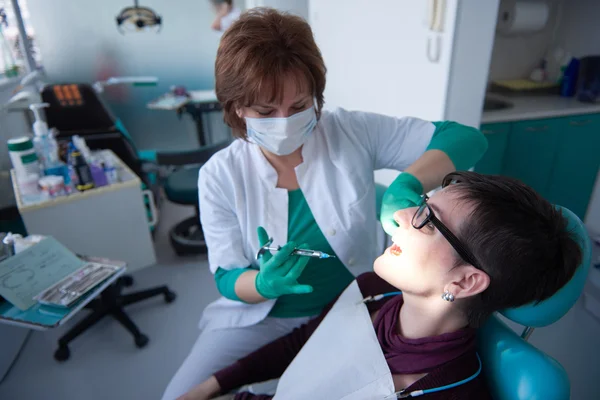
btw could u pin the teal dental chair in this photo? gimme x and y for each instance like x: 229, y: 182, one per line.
x: 516, y: 370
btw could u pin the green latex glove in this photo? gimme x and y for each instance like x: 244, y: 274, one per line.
x: 279, y: 273
x: 464, y: 145
x: 404, y: 192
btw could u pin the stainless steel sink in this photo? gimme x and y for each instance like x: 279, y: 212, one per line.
x: 492, y: 104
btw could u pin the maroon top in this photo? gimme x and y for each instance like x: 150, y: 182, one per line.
x: 416, y: 356
x: 447, y: 358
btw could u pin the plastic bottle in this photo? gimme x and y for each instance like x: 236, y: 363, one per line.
x: 568, y: 84
x: 96, y: 168
x: 110, y: 170
x: 539, y: 74
x: 29, y: 189
x: 69, y: 184
x: 63, y: 170
x: 23, y: 157
x: 79, y: 170
x: 81, y: 145
x: 98, y: 173
x: 70, y: 166
x: 45, y: 144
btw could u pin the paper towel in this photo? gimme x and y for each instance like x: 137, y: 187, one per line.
x: 515, y: 17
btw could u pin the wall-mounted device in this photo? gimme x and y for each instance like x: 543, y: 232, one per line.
x: 435, y: 24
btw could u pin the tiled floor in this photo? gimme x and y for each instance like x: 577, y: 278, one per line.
x: 104, y: 362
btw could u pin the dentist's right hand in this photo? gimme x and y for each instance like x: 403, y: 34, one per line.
x: 279, y: 273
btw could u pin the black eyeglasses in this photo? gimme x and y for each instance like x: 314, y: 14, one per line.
x: 425, y: 215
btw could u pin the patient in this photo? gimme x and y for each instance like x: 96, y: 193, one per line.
x: 481, y: 244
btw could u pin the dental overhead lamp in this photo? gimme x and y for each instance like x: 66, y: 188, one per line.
x: 136, y: 18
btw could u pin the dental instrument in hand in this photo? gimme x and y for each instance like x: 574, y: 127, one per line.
x: 378, y: 297
x: 296, y: 252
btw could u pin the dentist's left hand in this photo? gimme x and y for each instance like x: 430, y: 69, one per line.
x: 404, y: 192
x: 279, y: 273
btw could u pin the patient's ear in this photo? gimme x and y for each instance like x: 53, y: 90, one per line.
x: 239, y: 113
x: 469, y: 281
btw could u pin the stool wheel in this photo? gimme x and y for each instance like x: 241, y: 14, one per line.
x: 62, y: 353
x: 170, y: 296
x: 141, y: 340
x: 187, y: 237
x: 127, y: 280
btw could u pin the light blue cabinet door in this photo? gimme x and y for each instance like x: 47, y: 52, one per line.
x: 497, y: 136
x: 531, y: 152
x: 577, y: 163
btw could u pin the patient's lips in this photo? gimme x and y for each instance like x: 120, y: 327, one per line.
x: 395, y: 249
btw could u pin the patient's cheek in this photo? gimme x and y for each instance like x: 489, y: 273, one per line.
x: 387, y: 268
x: 379, y: 266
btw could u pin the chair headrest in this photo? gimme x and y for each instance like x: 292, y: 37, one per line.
x: 552, y: 309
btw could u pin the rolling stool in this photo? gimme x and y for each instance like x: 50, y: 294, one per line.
x: 112, y: 302
x: 181, y: 187
x: 186, y: 237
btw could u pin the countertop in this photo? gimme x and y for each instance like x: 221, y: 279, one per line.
x: 526, y: 107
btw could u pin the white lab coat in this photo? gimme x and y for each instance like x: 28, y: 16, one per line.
x: 238, y: 193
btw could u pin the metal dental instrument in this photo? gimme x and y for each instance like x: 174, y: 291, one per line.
x: 296, y: 252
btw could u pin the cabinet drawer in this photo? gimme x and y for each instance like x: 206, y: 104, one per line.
x: 497, y: 137
x: 491, y: 129
x: 531, y: 152
x: 589, y: 121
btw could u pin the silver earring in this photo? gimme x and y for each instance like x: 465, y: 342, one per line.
x: 448, y: 296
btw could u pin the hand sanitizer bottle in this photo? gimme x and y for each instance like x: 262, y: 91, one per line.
x: 45, y: 144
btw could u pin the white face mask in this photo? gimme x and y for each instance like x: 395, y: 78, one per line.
x: 282, y: 136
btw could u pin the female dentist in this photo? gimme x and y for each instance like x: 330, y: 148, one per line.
x: 303, y: 175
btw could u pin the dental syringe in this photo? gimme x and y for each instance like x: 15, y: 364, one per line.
x: 296, y: 252
x: 304, y: 252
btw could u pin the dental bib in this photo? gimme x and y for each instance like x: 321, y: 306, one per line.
x: 342, y: 359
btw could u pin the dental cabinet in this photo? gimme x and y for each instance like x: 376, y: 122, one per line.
x: 558, y: 157
x: 109, y: 221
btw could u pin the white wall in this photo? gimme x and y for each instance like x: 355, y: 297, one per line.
x: 298, y: 7
x: 577, y: 31
x: 12, y: 124
x: 475, y: 21
x: 516, y: 56
x: 78, y: 39
x: 376, y: 58
x: 580, y: 27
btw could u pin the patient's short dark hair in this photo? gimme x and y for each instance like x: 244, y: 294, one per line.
x: 519, y: 239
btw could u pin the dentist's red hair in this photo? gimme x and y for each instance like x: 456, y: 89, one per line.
x: 257, y: 53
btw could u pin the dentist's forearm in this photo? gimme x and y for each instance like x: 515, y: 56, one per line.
x: 464, y: 145
x: 431, y: 168
x: 452, y: 147
x: 245, y: 287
